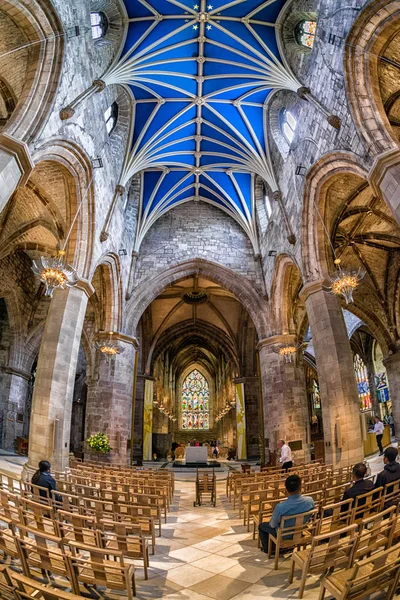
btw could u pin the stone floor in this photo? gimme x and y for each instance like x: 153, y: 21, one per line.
x: 205, y: 552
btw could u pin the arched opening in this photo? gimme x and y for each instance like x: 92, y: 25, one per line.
x: 304, y: 33
x: 197, y: 344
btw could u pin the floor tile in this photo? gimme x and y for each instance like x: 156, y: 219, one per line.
x: 220, y: 587
x: 187, y: 575
x: 215, y: 563
x: 189, y: 554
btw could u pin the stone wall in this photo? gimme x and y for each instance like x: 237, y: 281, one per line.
x: 196, y: 230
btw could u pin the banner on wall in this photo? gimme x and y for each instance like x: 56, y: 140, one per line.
x: 148, y: 420
x: 241, y: 422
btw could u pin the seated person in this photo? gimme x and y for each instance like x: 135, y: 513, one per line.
x: 391, y: 470
x: 293, y: 505
x: 43, y: 478
x: 360, y: 486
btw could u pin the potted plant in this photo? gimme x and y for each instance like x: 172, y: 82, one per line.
x: 99, y: 443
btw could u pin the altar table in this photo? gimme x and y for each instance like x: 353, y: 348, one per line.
x: 196, y: 454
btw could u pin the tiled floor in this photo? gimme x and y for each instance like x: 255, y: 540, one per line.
x: 206, y: 552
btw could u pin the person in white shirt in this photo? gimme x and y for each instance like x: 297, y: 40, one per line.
x: 378, y: 429
x: 286, y: 456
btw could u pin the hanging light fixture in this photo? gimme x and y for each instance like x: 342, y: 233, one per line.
x: 54, y: 272
x: 345, y: 282
x: 108, y: 346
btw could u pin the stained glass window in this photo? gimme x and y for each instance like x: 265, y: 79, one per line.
x: 99, y: 24
x: 363, y: 389
x: 316, y: 396
x: 305, y: 33
x: 195, y: 402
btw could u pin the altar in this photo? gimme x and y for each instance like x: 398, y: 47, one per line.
x: 196, y: 454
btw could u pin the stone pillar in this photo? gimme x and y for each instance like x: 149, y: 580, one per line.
x: 384, y: 178
x: 109, y: 400
x: 339, y: 397
x: 392, y: 365
x: 55, y: 378
x: 148, y: 419
x: 285, y: 399
x: 15, y: 166
x: 240, y: 422
x: 14, y: 413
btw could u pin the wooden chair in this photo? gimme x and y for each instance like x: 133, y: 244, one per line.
x: 375, y: 533
x: 379, y: 572
x: 144, y: 526
x: 366, y: 505
x: 25, y: 588
x: 330, y: 550
x: 335, y: 516
x: 391, y: 494
x: 6, y: 584
x: 96, y: 566
x: 125, y: 538
x: 41, y: 551
x: 294, y: 531
x: 8, y: 544
x: 78, y: 528
x: 264, y: 515
x: 335, y: 493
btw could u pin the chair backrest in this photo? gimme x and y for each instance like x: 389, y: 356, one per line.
x: 376, y: 532
x: 25, y: 587
x: 374, y: 574
x: 6, y: 584
x: 335, y: 493
x: 335, y: 516
x: 78, y: 528
x: 41, y: 551
x: 9, y: 505
x: 367, y: 504
x: 333, y: 549
x: 98, y: 566
x: 292, y: 527
x: 391, y: 494
x: 8, y: 544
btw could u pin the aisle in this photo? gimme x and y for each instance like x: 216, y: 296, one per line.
x: 206, y: 552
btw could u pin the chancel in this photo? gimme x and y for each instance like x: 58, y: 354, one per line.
x: 199, y: 299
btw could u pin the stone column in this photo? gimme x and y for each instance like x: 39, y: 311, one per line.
x: 14, y: 413
x: 392, y: 365
x: 55, y: 378
x: 16, y: 166
x: 109, y: 400
x: 285, y: 399
x: 339, y: 397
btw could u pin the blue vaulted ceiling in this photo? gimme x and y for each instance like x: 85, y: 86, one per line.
x: 200, y: 73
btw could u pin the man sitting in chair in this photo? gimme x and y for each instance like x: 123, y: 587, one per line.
x: 293, y: 505
x: 360, y: 485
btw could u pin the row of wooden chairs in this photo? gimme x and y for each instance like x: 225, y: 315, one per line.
x: 73, y: 561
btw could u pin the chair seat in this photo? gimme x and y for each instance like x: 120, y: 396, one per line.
x: 340, y: 578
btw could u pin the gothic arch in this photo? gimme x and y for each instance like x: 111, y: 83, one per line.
x: 370, y: 33
x: 37, y: 21
x: 286, y: 283
x: 75, y: 160
x: 108, y: 300
x: 238, y: 285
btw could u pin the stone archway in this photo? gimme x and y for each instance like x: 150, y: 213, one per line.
x: 238, y: 285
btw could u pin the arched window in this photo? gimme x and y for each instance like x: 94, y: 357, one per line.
x: 363, y: 389
x: 195, y: 402
x: 268, y: 206
x: 99, y: 23
x: 288, y: 125
x: 7, y: 102
x: 305, y: 33
x: 111, y: 116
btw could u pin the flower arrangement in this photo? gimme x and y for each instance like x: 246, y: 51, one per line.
x: 99, y: 442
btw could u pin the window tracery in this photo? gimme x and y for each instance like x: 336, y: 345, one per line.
x: 110, y: 117
x: 195, y: 402
x: 305, y: 33
x: 288, y: 125
x: 99, y: 25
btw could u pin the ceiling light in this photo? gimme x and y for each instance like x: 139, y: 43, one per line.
x: 54, y: 272
x: 345, y: 282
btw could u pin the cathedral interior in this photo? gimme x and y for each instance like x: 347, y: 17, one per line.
x: 199, y: 255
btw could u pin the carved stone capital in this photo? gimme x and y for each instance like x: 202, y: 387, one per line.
x: 20, y: 153
x: 334, y: 121
x: 277, y: 195
x: 303, y: 91
x: 313, y: 287
x: 104, y: 236
x: 120, y: 190
x: 100, y: 84
x: 291, y: 239
x: 66, y: 113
